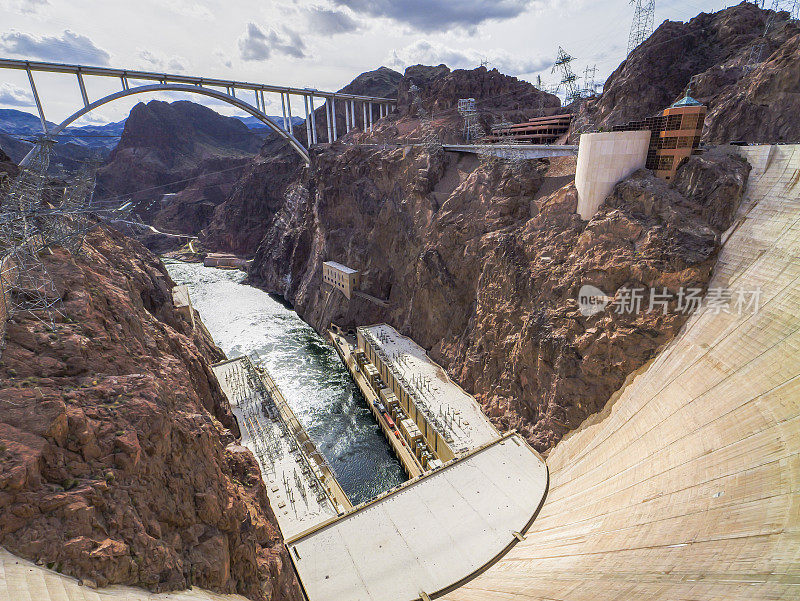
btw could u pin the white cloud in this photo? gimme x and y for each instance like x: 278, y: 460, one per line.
x: 223, y: 58
x: 428, y: 53
x: 68, y: 47
x: 259, y: 45
x: 11, y: 95
x: 188, y: 8
x: 25, y: 7
x: 150, y: 61
x: 330, y: 21
x: 440, y: 15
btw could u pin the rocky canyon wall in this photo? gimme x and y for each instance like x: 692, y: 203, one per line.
x: 119, y: 462
x: 482, y: 266
x: 750, y: 82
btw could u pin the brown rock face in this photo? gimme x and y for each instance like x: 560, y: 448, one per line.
x: 239, y: 223
x: 498, y: 97
x: 712, y: 51
x: 178, y: 147
x: 119, y: 463
x: 485, y: 273
x: 7, y: 167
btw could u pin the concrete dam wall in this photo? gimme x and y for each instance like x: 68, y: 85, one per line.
x: 686, y: 486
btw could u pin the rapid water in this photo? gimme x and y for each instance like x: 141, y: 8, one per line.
x: 243, y: 319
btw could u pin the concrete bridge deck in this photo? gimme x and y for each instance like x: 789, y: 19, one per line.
x: 510, y: 151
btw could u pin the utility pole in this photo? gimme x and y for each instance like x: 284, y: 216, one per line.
x: 643, y: 22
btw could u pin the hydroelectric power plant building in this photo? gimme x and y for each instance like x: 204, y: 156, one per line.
x: 341, y: 277
x: 449, y: 419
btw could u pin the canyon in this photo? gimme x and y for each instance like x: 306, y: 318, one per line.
x: 121, y: 462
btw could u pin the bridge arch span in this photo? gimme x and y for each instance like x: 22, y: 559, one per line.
x: 177, y: 87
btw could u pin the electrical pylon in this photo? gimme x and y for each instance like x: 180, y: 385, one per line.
x: 643, y: 22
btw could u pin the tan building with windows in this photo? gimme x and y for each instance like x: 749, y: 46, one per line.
x: 675, y: 135
x: 340, y: 276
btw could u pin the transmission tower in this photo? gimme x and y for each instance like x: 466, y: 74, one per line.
x: 34, y: 217
x: 589, y: 85
x: 644, y: 13
x: 756, y: 55
x: 473, y: 130
x: 23, y: 272
x: 568, y: 78
x: 429, y: 138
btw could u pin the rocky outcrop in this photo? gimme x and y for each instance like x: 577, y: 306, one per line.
x: 119, y: 457
x: 7, y: 167
x: 484, y: 272
x: 380, y: 83
x: 498, y: 97
x: 238, y: 225
x: 712, y: 52
x: 178, y: 147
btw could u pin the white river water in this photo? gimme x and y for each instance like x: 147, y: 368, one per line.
x: 243, y: 319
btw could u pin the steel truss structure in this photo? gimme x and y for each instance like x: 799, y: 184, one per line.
x: 430, y: 139
x: 138, y: 82
x: 643, y: 22
x: 36, y: 215
x: 563, y: 65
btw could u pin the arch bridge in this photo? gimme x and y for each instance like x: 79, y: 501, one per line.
x: 139, y: 82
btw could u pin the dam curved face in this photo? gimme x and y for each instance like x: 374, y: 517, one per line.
x: 686, y: 486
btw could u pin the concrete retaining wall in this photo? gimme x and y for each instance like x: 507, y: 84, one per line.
x: 603, y: 160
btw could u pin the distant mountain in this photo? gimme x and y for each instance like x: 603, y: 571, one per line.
x: 254, y: 123
x: 183, y: 149
x: 20, y: 124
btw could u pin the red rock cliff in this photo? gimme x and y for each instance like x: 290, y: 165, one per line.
x: 119, y: 463
x: 482, y: 268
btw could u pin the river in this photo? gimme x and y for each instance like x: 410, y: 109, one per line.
x: 243, y: 319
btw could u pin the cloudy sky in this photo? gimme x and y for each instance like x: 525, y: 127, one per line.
x: 307, y: 43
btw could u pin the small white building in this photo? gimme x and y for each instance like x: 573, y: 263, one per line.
x: 340, y: 276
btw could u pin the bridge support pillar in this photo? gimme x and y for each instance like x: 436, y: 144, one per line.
x: 364, y: 110
x: 308, y: 120
x: 38, y: 101
x: 328, y: 117
x: 313, y: 121
x: 370, y: 116
x: 289, y: 112
x: 333, y: 112
x: 347, y: 116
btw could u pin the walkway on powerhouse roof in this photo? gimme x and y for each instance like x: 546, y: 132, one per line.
x: 430, y: 534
